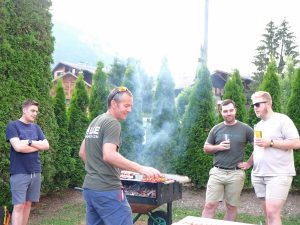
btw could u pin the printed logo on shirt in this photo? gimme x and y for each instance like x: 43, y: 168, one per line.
x: 92, y: 132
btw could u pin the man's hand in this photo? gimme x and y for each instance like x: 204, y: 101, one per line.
x: 150, y: 172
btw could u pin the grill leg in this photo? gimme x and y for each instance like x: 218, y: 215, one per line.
x: 169, y: 212
x: 136, y: 217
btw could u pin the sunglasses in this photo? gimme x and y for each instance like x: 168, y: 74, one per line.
x: 119, y: 90
x: 257, y: 104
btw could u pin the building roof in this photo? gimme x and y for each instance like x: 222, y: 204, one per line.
x: 79, y: 66
x: 71, y: 74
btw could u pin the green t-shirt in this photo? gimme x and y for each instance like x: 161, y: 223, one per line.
x: 101, y: 176
x: 239, y: 134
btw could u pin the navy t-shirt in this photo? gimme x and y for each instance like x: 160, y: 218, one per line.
x: 24, y: 162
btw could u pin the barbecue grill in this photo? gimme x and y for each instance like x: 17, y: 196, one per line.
x: 145, y: 196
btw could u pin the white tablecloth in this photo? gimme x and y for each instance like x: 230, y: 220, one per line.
x: 192, y: 220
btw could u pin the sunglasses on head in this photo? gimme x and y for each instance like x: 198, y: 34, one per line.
x: 119, y: 90
x: 257, y: 104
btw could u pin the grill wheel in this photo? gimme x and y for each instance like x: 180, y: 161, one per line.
x: 158, y: 218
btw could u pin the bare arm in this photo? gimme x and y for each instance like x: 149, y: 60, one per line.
x: 246, y: 165
x: 286, y: 144
x: 82, y: 151
x: 111, y: 156
x: 211, y: 149
x: 23, y: 147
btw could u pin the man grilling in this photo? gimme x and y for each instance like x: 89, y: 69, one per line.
x: 106, y: 202
x: 226, y: 179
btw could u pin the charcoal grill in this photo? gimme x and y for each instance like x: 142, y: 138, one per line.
x: 144, y: 197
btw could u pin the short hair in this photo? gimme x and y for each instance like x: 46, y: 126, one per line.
x: 262, y: 94
x: 227, y: 102
x: 116, y: 94
x: 29, y: 102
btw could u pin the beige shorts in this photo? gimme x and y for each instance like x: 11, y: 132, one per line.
x: 225, y: 185
x: 276, y: 187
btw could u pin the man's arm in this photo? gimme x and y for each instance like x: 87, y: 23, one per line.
x: 286, y: 144
x: 211, y: 149
x: 23, y: 147
x: 114, y: 158
x: 82, y: 151
x: 246, y: 165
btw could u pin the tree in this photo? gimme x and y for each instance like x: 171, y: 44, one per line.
x: 147, y: 87
x: 99, y: 93
x: 25, y: 57
x: 198, y: 119
x: 287, y: 46
x: 116, y: 74
x: 270, y: 84
x: 278, y: 43
x: 234, y: 90
x: 132, y: 127
x: 183, y: 100
x: 163, y: 136
x: 63, y: 162
x: 293, y: 110
x: 77, y: 125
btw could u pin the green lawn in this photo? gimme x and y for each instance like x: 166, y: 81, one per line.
x: 74, y: 214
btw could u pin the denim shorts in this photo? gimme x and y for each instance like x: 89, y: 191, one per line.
x: 107, y: 208
x: 25, y: 187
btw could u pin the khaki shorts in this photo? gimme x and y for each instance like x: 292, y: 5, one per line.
x: 276, y: 187
x: 225, y: 185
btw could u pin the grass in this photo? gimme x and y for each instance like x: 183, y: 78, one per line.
x: 74, y: 214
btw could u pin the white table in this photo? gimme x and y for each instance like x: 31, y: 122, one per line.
x: 193, y: 220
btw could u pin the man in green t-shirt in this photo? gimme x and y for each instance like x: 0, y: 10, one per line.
x: 106, y: 202
x: 227, y: 142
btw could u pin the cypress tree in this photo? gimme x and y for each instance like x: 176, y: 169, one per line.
x: 293, y: 110
x: 234, y: 90
x: 116, y: 74
x: 198, y: 119
x: 162, y: 139
x: 25, y: 58
x: 77, y: 125
x: 99, y: 93
x: 132, y: 127
x: 270, y: 84
x: 64, y: 164
x: 182, y: 101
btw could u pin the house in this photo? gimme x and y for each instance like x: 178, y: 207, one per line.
x: 218, y: 79
x: 69, y: 73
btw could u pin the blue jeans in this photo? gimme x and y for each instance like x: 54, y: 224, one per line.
x: 107, y: 208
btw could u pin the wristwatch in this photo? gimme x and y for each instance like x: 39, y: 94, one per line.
x: 29, y: 142
x: 271, y: 143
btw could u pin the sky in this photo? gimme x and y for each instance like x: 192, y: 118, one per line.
x: 151, y: 30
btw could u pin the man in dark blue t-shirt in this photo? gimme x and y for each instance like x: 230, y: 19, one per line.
x: 26, y: 139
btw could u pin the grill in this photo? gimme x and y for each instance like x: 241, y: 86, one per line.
x: 145, y: 196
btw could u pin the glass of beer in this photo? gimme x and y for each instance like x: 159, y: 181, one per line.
x: 258, y: 133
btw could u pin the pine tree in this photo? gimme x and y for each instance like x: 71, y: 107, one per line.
x: 132, y: 127
x: 162, y: 139
x: 99, y: 93
x: 270, y: 84
x: 287, y: 46
x: 234, y: 90
x: 293, y: 110
x: 198, y: 119
x: 77, y: 125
